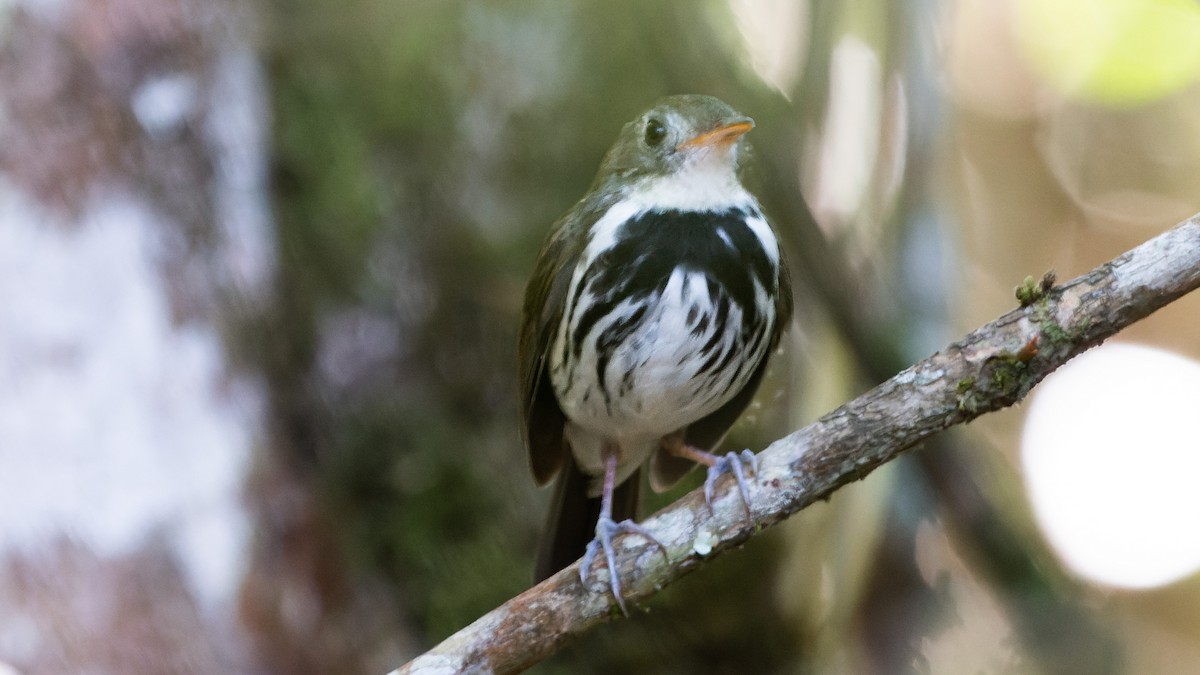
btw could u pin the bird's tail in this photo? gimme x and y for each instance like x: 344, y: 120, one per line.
x: 573, y: 515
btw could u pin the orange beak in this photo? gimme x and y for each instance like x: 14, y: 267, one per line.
x: 721, y: 137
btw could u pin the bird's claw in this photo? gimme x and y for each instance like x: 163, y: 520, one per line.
x: 732, y: 462
x: 606, y: 529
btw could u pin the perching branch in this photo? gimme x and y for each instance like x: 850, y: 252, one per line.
x: 991, y: 368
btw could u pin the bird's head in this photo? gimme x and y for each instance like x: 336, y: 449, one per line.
x: 676, y: 132
x: 687, y: 144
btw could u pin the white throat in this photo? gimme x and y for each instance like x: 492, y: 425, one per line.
x: 706, y: 182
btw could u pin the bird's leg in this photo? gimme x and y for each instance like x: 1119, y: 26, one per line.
x: 606, y: 530
x: 731, y: 462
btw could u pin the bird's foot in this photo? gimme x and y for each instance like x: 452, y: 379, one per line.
x: 734, y: 463
x: 606, y: 530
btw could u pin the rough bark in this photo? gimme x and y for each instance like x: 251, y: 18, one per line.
x: 992, y: 367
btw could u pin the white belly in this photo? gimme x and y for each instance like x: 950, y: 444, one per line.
x: 632, y: 387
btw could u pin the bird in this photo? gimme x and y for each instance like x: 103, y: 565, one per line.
x: 646, y: 327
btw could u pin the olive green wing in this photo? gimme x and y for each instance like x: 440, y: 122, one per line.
x: 542, y: 419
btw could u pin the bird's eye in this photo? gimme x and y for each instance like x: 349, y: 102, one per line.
x: 655, y: 132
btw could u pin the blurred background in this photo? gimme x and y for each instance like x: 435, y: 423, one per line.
x: 260, y: 272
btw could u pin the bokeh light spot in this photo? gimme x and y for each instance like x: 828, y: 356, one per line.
x: 1111, y: 451
x: 1117, y: 52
